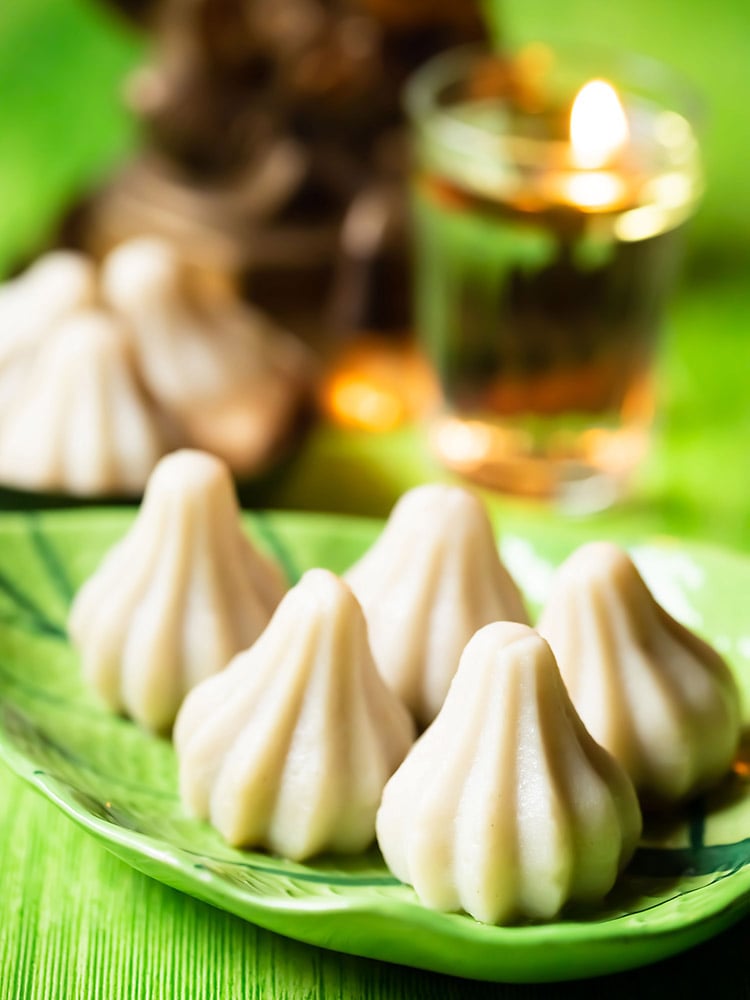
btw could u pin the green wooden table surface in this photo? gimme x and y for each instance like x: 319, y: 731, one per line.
x: 74, y: 921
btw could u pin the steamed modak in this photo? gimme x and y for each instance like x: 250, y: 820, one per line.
x: 32, y: 306
x: 87, y: 428
x: 431, y: 579
x: 205, y: 369
x: 56, y: 285
x: 506, y: 807
x: 660, y: 699
x: 228, y: 377
x: 289, y: 747
x: 175, y: 600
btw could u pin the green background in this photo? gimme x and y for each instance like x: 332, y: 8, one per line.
x: 76, y: 922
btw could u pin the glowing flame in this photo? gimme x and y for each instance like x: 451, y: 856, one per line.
x: 598, y: 126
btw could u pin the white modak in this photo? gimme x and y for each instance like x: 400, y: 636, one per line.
x: 431, y: 579
x: 226, y: 374
x: 661, y: 700
x: 33, y: 305
x: 289, y: 747
x: 506, y: 807
x: 175, y: 599
x: 80, y: 422
x: 56, y: 285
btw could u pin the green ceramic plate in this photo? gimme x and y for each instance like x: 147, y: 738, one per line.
x: 689, y: 879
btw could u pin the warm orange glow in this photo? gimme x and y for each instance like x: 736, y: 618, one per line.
x: 377, y: 385
x: 598, y: 126
x: 355, y: 401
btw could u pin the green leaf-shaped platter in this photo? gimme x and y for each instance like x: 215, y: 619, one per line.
x: 689, y: 879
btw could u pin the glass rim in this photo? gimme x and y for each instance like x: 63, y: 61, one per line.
x: 659, y: 172
x: 674, y: 90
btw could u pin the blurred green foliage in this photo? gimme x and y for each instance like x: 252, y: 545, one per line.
x: 62, y: 121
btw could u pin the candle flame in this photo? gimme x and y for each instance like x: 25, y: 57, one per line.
x: 598, y: 126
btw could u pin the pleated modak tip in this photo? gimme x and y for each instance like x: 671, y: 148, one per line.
x: 175, y: 600
x: 506, y: 807
x: 661, y: 700
x: 430, y: 581
x: 225, y: 372
x: 80, y: 422
x: 32, y: 304
x: 290, y: 747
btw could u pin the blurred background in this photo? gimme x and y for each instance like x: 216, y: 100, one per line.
x: 65, y: 128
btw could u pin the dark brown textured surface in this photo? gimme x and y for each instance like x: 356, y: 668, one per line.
x: 275, y: 148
